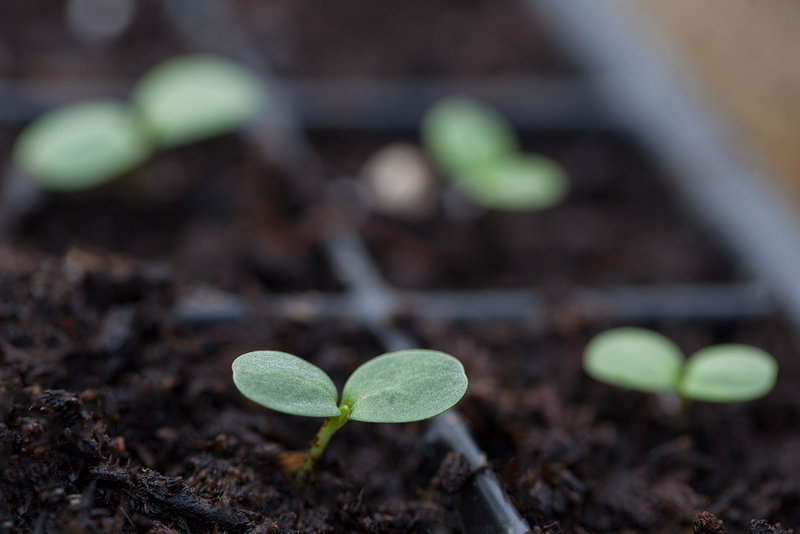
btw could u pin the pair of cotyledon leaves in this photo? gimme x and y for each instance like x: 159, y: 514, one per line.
x: 644, y: 360
x: 180, y: 101
x: 397, y: 387
x: 478, y: 150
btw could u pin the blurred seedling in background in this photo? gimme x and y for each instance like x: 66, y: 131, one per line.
x: 397, y: 387
x: 477, y: 150
x: 643, y: 360
x: 181, y: 101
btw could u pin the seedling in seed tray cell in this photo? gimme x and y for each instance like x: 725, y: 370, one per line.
x: 643, y: 360
x: 397, y: 387
x: 476, y: 148
x: 183, y: 100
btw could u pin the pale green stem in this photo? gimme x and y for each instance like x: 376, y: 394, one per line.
x: 328, y: 429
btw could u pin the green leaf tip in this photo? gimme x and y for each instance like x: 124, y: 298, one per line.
x: 195, y: 97
x: 644, y: 360
x: 728, y: 373
x: 285, y: 383
x: 634, y: 358
x: 404, y: 386
x: 461, y: 133
x: 81, y: 145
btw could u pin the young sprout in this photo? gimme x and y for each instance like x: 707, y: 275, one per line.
x: 186, y: 99
x: 397, y: 387
x: 643, y: 360
x: 478, y: 150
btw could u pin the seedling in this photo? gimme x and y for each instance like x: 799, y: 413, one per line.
x: 184, y: 100
x: 643, y: 360
x: 397, y: 387
x: 476, y: 148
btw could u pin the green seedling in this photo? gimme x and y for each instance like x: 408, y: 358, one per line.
x: 183, y: 100
x: 643, y: 360
x: 397, y: 387
x: 476, y: 148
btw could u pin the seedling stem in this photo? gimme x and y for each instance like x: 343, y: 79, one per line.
x: 326, y: 431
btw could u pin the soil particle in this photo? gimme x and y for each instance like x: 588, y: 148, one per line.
x: 550, y: 528
x: 453, y: 472
x: 168, y: 497
x: 761, y: 526
x: 708, y: 523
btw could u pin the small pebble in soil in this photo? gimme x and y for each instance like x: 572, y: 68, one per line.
x: 399, y: 182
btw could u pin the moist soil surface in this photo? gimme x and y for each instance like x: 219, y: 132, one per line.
x: 119, y: 413
x: 588, y: 240
x: 121, y: 310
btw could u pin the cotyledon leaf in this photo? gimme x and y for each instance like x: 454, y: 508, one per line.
x: 728, y: 373
x: 461, y: 133
x: 194, y: 97
x: 404, y: 386
x: 81, y: 145
x: 517, y: 182
x: 634, y: 358
x: 285, y: 383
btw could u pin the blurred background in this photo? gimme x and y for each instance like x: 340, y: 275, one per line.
x: 743, y: 53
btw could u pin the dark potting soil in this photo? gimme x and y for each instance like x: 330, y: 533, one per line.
x: 36, y: 43
x: 115, y: 418
x: 309, y: 38
x: 588, y: 457
x: 213, y: 212
x: 298, y: 38
x: 118, y: 418
x: 620, y: 225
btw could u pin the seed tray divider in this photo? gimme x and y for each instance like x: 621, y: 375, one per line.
x: 707, y: 303
x: 556, y: 103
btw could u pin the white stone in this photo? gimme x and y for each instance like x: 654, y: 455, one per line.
x: 399, y: 181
